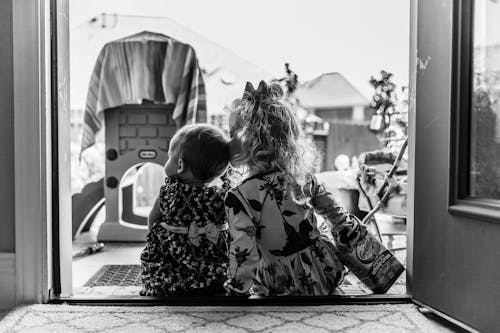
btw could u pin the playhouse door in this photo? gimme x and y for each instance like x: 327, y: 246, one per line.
x: 456, y: 226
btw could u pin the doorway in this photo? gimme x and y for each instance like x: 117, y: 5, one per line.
x: 339, y: 123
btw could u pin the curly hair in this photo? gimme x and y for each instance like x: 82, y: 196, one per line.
x: 271, y: 137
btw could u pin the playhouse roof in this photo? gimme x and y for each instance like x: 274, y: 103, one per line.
x: 329, y: 90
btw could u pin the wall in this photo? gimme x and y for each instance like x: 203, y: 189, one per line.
x: 7, y: 207
x: 7, y: 236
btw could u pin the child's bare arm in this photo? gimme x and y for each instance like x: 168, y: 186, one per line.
x: 154, y: 214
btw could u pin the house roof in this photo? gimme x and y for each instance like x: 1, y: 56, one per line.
x: 330, y: 90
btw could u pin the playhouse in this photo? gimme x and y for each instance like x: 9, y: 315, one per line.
x: 143, y: 87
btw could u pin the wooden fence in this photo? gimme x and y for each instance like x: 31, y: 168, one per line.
x: 345, y: 137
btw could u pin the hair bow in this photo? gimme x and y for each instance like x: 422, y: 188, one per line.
x: 194, y: 232
x: 211, y: 232
x: 251, y: 93
x: 256, y: 96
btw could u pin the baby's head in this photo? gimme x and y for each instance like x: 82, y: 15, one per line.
x: 268, y: 136
x: 198, y: 153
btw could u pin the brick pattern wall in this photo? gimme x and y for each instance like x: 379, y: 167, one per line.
x: 144, y: 128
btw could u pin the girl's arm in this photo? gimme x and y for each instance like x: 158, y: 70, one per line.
x: 243, y: 253
x: 154, y: 214
x: 346, y: 229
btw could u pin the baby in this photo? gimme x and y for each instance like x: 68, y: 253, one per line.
x: 186, y: 250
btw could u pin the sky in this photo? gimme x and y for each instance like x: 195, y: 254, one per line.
x: 486, y: 25
x: 357, y: 38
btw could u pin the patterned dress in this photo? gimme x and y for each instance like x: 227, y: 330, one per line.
x: 172, y: 262
x: 276, y: 247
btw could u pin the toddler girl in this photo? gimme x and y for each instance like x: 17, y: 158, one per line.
x: 276, y: 248
x: 186, y: 250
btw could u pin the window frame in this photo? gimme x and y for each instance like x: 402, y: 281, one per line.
x: 460, y: 203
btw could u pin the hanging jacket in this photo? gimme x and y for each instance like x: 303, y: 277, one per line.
x: 145, y: 66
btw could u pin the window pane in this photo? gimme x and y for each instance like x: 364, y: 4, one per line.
x: 485, y: 117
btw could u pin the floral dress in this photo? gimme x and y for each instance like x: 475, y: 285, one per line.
x: 276, y: 247
x: 186, y: 250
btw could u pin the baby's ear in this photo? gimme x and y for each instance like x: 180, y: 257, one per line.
x: 180, y: 166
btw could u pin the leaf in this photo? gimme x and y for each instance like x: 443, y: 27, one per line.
x: 256, y: 205
x: 249, y: 230
x: 288, y: 213
x: 233, y: 202
x: 305, y: 228
x: 306, y: 259
x: 240, y: 255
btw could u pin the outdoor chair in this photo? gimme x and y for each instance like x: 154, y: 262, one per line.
x: 382, y: 185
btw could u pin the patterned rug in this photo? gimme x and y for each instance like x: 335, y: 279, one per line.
x: 384, y: 318
x: 116, y: 275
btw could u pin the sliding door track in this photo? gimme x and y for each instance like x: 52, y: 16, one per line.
x: 135, y: 300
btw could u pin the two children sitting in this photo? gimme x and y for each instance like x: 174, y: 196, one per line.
x: 259, y: 237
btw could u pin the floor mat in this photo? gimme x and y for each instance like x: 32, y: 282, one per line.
x: 400, y: 318
x: 116, y: 275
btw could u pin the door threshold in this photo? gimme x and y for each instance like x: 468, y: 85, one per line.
x: 135, y: 300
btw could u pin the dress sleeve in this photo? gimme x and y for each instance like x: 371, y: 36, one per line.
x: 346, y: 229
x: 243, y: 252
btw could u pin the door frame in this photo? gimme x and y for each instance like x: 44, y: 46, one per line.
x: 412, y: 102
x: 38, y: 180
x: 31, y: 36
x: 41, y: 107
